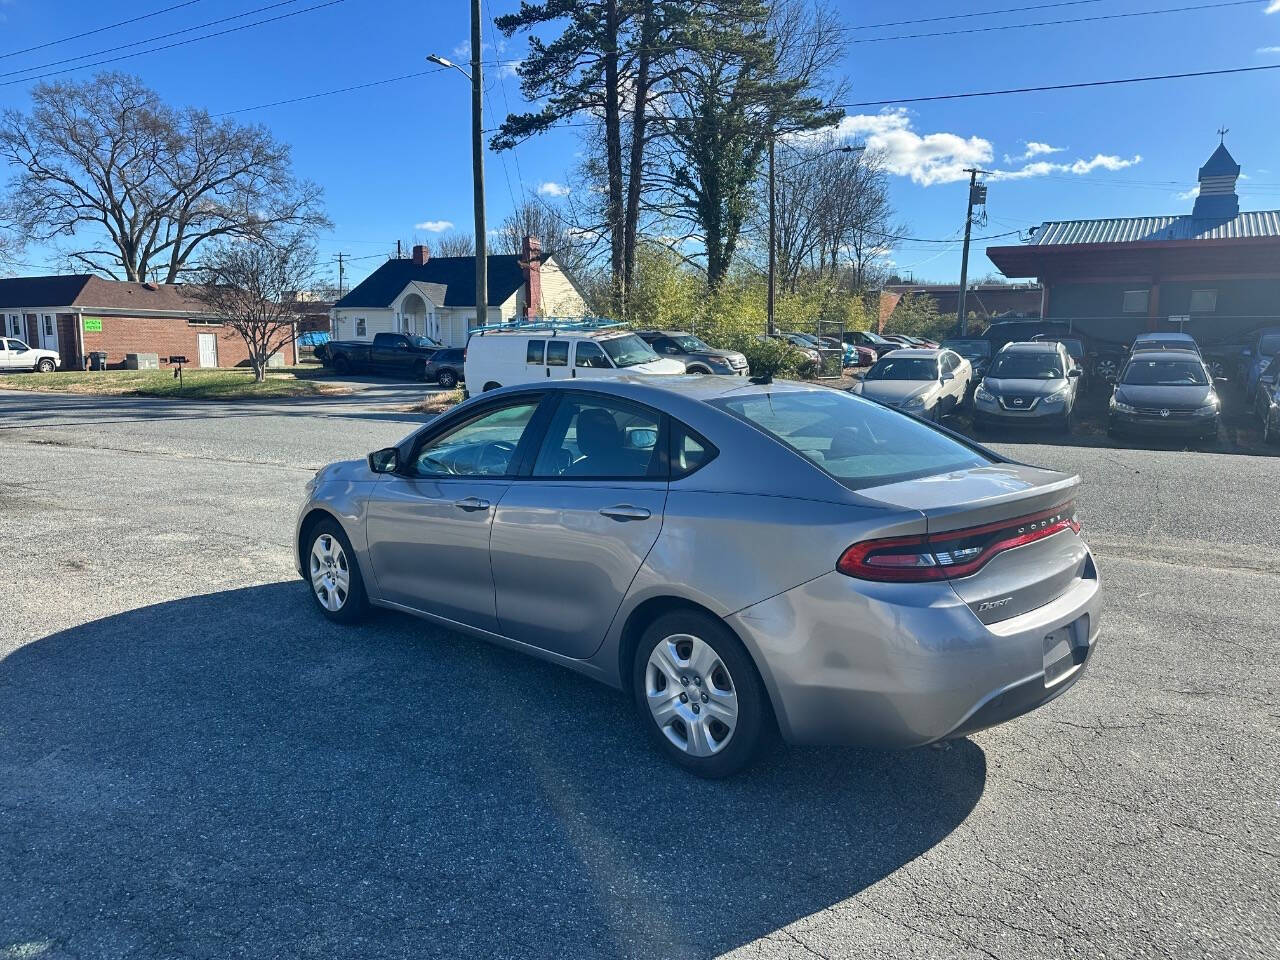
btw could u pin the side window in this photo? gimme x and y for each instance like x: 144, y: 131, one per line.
x: 595, y: 437
x: 535, y: 351
x: 588, y: 354
x: 17, y: 346
x: 666, y: 345
x: 689, y: 451
x: 558, y: 353
x: 360, y: 327
x: 482, y: 447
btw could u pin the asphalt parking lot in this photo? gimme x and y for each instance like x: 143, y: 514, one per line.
x: 193, y: 763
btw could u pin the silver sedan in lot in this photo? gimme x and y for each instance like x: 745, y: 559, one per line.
x: 740, y: 558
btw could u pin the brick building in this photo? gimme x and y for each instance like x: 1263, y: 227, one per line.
x: 983, y: 300
x: 79, y: 314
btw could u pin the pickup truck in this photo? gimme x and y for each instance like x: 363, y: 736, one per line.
x: 400, y: 354
x: 16, y: 355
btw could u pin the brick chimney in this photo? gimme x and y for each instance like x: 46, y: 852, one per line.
x: 421, y: 254
x: 531, y: 264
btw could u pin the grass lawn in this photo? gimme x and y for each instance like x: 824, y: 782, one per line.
x: 437, y: 402
x: 196, y: 384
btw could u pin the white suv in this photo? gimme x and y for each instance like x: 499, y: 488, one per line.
x: 16, y: 355
x: 500, y: 358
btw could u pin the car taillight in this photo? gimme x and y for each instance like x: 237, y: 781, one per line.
x: 952, y: 553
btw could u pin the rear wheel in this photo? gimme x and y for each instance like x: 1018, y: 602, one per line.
x: 447, y: 379
x: 45, y: 365
x: 341, y: 365
x: 699, y: 695
x: 336, y: 584
x: 1270, y: 430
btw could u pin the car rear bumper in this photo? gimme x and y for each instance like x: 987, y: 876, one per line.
x: 901, y: 665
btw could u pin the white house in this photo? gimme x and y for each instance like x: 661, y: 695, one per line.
x: 436, y: 296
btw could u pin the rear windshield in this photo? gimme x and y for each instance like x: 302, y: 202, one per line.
x: 1164, y: 373
x: 969, y: 349
x: 1040, y: 365
x: 860, y: 443
x: 904, y: 368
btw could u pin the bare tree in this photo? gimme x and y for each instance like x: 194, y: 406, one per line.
x: 560, y: 237
x: 251, y: 287
x: 454, y: 245
x: 138, y: 186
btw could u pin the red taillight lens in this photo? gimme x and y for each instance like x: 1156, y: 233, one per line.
x: 952, y: 553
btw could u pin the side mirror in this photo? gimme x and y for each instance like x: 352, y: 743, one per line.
x: 1246, y: 352
x: 1220, y: 380
x: 947, y: 376
x: 1074, y: 372
x: 386, y: 460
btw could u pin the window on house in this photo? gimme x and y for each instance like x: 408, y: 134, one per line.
x: 48, y: 325
x: 1204, y: 301
x: 15, y: 324
x: 1135, y: 301
x: 360, y: 327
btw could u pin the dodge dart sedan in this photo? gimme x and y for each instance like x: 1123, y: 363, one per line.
x: 740, y: 558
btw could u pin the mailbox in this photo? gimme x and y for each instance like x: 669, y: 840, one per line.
x: 178, y: 360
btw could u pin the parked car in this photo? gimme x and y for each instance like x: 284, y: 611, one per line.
x: 1157, y: 340
x: 1266, y: 401
x: 849, y: 355
x: 903, y: 340
x: 697, y: 356
x: 1165, y: 392
x: 1024, y: 330
x: 1077, y: 351
x: 872, y: 341
x: 734, y: 556
x: 397, y: 354
x: 1030, y: 383
x: 16, y: 355
x: 924, y: 383
x: 810, y: 352
x: 446, y: 367
x: 974, y: 349
x: 1262, y: 346
x: 502, y: 358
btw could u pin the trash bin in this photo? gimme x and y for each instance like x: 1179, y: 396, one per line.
x: 98, y: 360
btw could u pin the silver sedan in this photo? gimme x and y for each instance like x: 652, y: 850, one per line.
x: 741, y: 559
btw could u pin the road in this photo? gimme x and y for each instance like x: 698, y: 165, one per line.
x: 193, y: 763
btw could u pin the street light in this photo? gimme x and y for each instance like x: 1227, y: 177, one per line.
x: 476, y: 78
x: 773, y: 219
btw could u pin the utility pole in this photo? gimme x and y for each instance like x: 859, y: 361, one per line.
x: 398, y: 254
x: 773, y: 239
x: 340, y: 256
x: 978, y: 194
x: 477, y: 170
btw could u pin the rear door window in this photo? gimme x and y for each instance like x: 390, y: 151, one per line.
x: 859, y: 443
x: 534, y: 352
x: 558, y: 353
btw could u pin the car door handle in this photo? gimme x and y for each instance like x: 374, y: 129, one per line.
x: 471, y: 504
x: 624, y: 511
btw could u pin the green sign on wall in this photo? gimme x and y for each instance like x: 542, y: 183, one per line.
x: 92, y: 324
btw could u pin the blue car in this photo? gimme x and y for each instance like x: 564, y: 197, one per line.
x: 1263, y: 346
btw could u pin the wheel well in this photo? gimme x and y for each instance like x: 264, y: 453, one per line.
x: 491, y: 385
x: 697, y: 368
x: 308, y: 524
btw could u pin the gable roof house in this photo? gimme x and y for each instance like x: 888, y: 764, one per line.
x: 1213, y: 273
x: 436, y: 296
x: 79, y: 314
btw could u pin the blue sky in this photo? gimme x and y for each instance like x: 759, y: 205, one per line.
x: 394, y: 159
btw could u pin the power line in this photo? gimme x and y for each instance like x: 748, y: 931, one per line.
x: 89, y: 33
x: 330, y: 93
x: 139, y: 43
x: 176, y: 43
x: 1055, y: 23
x: 964, y: 16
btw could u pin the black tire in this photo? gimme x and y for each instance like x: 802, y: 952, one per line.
x: 355, y: 606
x: 754, y: 723
x: 1270, y: 433
x: 341, y: 365
x: 45, y: 366
x: 697, y: 369
x: 1067, y: 422
x: 447, y: 379
x: 490, y: 386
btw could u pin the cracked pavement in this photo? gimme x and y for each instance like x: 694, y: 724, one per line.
x: 193, y: 763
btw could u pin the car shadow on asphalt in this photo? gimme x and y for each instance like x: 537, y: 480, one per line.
x: 232, y: 774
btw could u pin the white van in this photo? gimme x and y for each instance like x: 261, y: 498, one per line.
x: 501, y: 358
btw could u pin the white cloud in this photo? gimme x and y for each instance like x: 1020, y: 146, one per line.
x: 434, y: 226
x: 1274, y: 7
x: 926, y: 158
x: 553, y: 189
x: 1041, y: 168
x: 1266, y: 50
x: 1034, y: 149
x: 508, y: 68
x: 1188, y: 194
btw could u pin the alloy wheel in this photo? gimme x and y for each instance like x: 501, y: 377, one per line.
x: 330, y: 572
x: 691, y: 696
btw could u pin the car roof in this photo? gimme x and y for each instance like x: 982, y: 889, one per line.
x: 550, y: 333
x: 1170, y: 354
x: 1031, y: 346
x: 1156, y: 335
x: 908, y: 352
x: 655, y: 332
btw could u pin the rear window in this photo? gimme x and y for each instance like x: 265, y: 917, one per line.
x: 859, y: 443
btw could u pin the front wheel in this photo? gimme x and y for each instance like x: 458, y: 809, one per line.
x: 699, y: 695
x: 334, y: 574
x: 1270, y: 431
x: 45, y: 365
x: 341, y: 366
x: 447, y: 379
